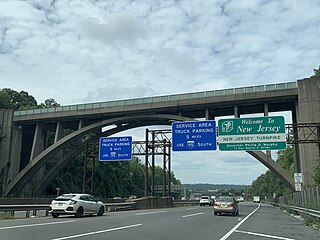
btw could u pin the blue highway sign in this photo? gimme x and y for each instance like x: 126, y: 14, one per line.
x: 115, y: 148
x: 194, y: 136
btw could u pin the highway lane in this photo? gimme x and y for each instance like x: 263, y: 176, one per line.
x: 171, y: 223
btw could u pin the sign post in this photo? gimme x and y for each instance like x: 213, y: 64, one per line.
x: 194, y: 136
x: 259, y: 133
x: 115, y: 148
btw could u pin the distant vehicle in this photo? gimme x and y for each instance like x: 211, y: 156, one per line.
x: 205, y: 200
x: 76, y: 204
x: 117, y: 199
x: 132, y: 197
x: 224, y: 204
x: 256, y: 199
x: 240, y: 199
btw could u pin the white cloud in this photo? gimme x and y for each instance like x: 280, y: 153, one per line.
x: 85, y: 51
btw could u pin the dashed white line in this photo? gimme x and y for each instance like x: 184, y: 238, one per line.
x: 35, y: 225
x: 263, y: 235
x: 187, y: 209
x: 146, y: 213
x: 192, y: 215
x: 98, y: 232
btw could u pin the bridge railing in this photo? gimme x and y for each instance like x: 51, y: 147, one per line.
x: 157, y: 99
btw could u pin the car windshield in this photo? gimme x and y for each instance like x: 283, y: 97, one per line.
x: 204, y: 197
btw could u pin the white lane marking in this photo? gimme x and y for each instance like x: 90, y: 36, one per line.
x: 97, y: 232
x: 191, y: 215
x: 187, y: 209
x: 263, y: 235
x: 36, y: 224
x: 146, y: 213
x: 239, y: 224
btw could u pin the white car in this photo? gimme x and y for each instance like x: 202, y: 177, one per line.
x: 76, y: 204
x: 205, y: 200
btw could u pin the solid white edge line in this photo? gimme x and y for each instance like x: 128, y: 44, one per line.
x: 97, y: 232
x: 191, y: 215
x: 264, y: 235
x: 35, y: 225
x: 239, y: 224
x: 146, y: 213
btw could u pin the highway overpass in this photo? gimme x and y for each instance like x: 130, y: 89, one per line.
x: 25, y: 148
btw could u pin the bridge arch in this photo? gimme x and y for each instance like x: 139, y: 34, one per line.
x: 93, y: 133
x: 15, y: 188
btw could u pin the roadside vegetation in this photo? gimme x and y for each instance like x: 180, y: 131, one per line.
x: 5, y: 215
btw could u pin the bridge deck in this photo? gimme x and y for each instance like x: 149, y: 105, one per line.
x: 26, y: 114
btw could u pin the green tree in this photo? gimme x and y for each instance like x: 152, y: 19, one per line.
x: 18, y: 100
x: 4, y: 100
x: 268, y: 183
x: 317, y: 72
x: 49, y: 103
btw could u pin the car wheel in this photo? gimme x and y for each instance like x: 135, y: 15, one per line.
x: 101, y: 211
x: 54, y: 215
x: 215, y: 213
x: 79, y: 212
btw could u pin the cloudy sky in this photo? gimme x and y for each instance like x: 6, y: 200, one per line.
x: 81, y: 51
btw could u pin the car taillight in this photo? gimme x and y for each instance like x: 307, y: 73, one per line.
x: 231, y: 205
x: 216, y: 204
x: 72, y: 202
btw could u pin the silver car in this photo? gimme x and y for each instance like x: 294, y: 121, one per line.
x: 76, y: 204
x: 225, y: 204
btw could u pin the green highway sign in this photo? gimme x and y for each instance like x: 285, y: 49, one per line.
x: 258, y: 133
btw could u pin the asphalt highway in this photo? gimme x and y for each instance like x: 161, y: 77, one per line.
x: 184, y: 223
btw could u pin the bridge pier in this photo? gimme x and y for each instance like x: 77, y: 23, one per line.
x: 10, y: 149
x: 308, y: 112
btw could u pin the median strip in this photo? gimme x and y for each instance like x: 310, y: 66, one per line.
x: 97, y: 232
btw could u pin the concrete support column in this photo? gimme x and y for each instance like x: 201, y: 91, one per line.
x: 308, y: 112
x: 81, y: 124
x: 17, y: 132
x: 5, y: 147
x: 38, y: 142
x: 207, y: 114
x: 236, y: 112
x: 294, y: 114
x: 266, y: 113
x: 59, y: 132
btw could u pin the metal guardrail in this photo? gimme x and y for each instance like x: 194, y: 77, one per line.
x: 113, y: 207
x: 25, y: 207
x: 185, y: 203
x: 110, y: 207
x: 311, y: 212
